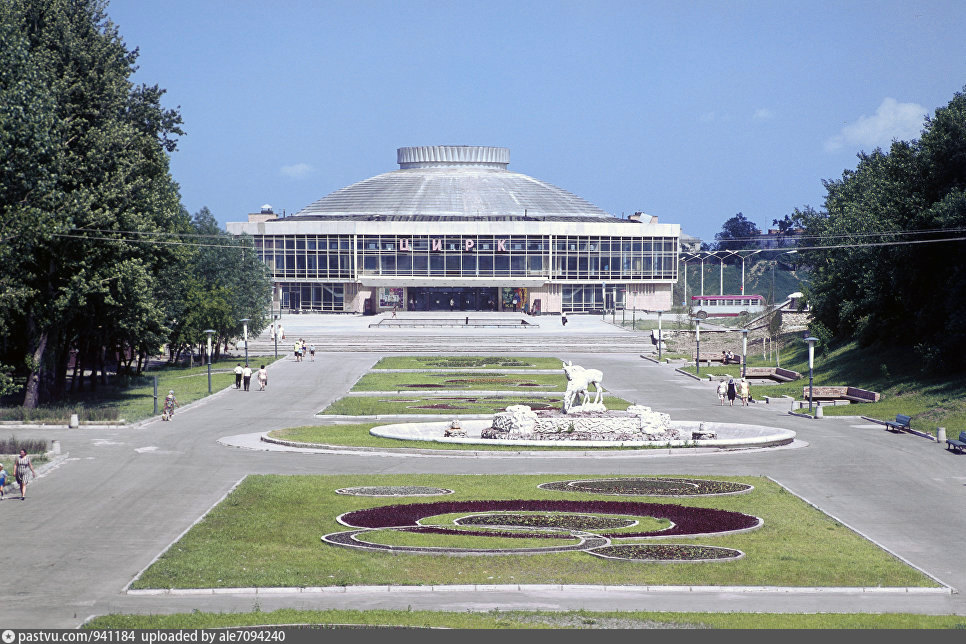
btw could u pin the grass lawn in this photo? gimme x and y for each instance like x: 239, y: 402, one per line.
x: 466, y: 362
x: 446, y: 405
x: 133, y: 400
x: 357, y: 435
x: 486, y: 381
x: 267, y: 532
x: 536, y: 619
x: 932, y: 401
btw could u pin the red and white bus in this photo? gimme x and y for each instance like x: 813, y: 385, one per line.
x: 719, y: 306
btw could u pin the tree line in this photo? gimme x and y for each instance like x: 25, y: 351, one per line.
x: 884, y: 253
x: 101, y: 261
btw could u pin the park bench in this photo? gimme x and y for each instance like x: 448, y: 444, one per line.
x: 901, y: 422
x: 957, y: 445
x: 708, y: 359
x: 853, y: 394
x: 775, y: 373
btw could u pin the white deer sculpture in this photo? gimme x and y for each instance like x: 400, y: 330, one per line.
x: 578, y: 384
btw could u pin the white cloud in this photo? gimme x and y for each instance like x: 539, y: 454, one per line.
x: 892, y: 120
x: 763, y: 114
x: 296, y: 171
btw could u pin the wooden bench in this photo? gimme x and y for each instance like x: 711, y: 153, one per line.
x: 953, y: 444
x: 775, y: 373
x: 901, y: 423
x: 713, y: 358
x: 853, y: 394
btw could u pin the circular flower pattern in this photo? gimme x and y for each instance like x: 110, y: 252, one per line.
x: 394, y: 490
x: 585, y: 522
x: 667, y: 552
x: 649, y: 487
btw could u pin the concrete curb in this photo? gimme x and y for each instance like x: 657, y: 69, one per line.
x: 910, y: 430
x: 455, y: 392
x: 944, y: 585
x: 477, y: 588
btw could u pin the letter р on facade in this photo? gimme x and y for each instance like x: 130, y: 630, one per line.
x: 453, y: 223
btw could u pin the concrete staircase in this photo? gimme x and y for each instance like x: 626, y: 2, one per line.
x: 398, y: 340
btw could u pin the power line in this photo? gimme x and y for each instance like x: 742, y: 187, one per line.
x: 151, y: 241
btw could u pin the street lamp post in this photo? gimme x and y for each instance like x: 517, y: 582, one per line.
x: 702, y: 275
x: 743, y: 268
x: 697, y: 339
x: 659, y: 339
x: 744, y: 353
x: 685, y: 261
x: 275, y: 334
x: 811, y: 360
x: 209, y: 332
x: 245, y: 322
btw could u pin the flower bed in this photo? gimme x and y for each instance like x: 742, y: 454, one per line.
x: 685, y: 520
x: 394, y: 490
x: 667, y: 552
x: 586, y: 522
x: 649, y: 487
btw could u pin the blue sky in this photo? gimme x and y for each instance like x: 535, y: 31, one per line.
x: 690, y: 111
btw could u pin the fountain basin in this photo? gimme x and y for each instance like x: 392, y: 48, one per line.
x: 729, y: 436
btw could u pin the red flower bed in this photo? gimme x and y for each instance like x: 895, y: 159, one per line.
x: 687, y: 521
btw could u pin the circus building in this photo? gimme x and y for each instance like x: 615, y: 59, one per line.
x: 453, y: 228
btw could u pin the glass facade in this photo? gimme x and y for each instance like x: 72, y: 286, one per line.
x: 315, y: 257
x: 331, y: 257
x: 312, y: 297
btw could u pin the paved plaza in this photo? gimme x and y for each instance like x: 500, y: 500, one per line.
x: 120, y: 496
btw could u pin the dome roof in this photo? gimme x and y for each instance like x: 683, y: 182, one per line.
x: 453, y: 181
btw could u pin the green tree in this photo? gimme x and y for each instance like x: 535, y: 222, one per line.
x: 737, y: 233
x: 871, y: 283
x: 228, y: 283
x: 85, y: 184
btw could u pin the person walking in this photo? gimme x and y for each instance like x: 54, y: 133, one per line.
x: 312, y: 352
x: 732, y: 391
x: 297, y: 347
x: 3, y: 480
x: 21, y: 465
x: 238, y: 376
x: 170, y: 402
x: 247, y: 376
x: 452, y: 303
x: 722, y: 391
x: 262, y: 378
x: 743, y: 391
x: 280, y: 331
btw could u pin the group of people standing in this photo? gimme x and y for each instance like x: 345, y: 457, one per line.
x: 301, y: 349
x: 732, y: 389
x: 243, y: 377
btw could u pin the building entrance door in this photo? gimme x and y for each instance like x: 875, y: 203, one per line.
x: 452, y: 298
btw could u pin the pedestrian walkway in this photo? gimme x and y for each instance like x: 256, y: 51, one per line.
x: 491, y: 333
x: 123, y: 495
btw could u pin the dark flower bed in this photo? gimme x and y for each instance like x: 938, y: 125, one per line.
x: 584, y: 522
x: 666, y: 552
x: 429, y: 529
x: 451, y: 363
x: 394, y: 490
x: 686, y: 521
x: 648, y: 487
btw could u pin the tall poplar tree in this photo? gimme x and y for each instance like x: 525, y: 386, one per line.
x: 84, y: 160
